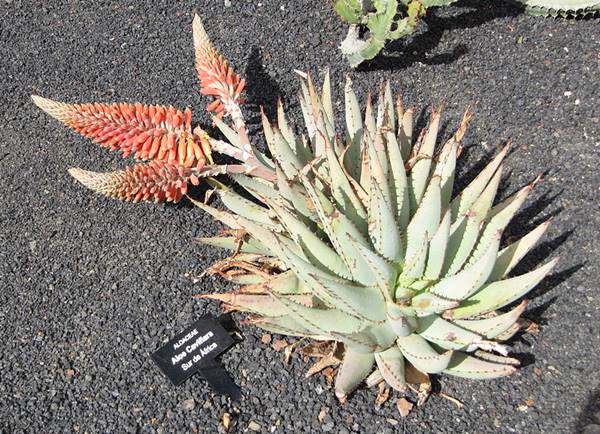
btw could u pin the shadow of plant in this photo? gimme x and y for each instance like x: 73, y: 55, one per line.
x: 401, y: 54
x: 262, y: 91
x: 590, y: 416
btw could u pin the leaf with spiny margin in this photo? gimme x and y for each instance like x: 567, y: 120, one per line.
x: 499, y: 218
x: 365, y: 167
x: 367, y: 301
x: 306, y: 108
x: 427, y: 303
x: 391, y: 366
x: 229, y: 133
x: 510, y: 256
x: 233, y: 243
x: 377, y: 165
x: 382, y: 226
x: 259, y: 188
x: 305, y: 271
x: 369, y: 123
x: 473, y: 191
x: 339, y: 228
x: 419, y: 173
x: 445, y: 333
x: 355, y: 368
x: 298, y: 146
x: 312, y: 116
x: 280, y: 149
x: 400, y: 318
x: 494, y: 326
x: 354, y: 128
x: 498, y: 294
x: 398, y: 185
x: 261, y: 304
x: 284, y: 127
x: 316, y: 250
x: 285, y: 325
x: 248, y: 209
x: 496, y: 358
x: 437, y: 249
x: 381, y: 153
x: 464, y: 232
x: 445, y: 167
x: 422, y: 356
x: 325, y: 128
x: 380, y: 270
x: 461, y: 285
x: 296, y: 196
x: 321, y: 320
x: 405, y: 133
x: 326, y: 99
x: 370, y: 339
x: 224, y: 217
x: 271, y: 240
x: 343, y: 193
x: 465, y: 366
x: 510, y: 332
x: 286, y: 283
x: 388, y: 111
x: 416, y: 257
x: 427, y: 216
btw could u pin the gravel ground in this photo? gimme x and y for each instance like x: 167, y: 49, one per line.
x: 91, y: 286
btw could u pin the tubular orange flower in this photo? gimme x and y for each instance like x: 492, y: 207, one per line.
x: 164, y: 135
x: 155, y: 181
x: 148, y: 132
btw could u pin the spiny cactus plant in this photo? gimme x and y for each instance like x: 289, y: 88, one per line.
x: 174, y: 155
x: 374, y: 22
x: 359, y: 241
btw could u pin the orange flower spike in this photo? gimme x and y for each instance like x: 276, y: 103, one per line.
x: 152, y: 181
x: 216, y: 77
x: 134, y: 129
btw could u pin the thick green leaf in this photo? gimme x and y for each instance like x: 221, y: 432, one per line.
x: 498, y: 294
x: 419, y: 175
x: 437, y: 249
x: 250, y: 245
x: 461, y: 285
x: 248, y: 209
x: 382, y: 226
x: 405, y: 133
x: 493, y: 326
x: 464, y: 232
x: 354, y: 128
x: 510, y: 256
x: 391, y: 366
x: 446, y: 334
x: 321, y: 321
x: 466, y: 366
x: 422, y: 356
x: 469, y: 195
x: 355, y: 368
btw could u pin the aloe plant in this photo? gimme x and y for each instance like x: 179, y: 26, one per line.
x: 355, y: 239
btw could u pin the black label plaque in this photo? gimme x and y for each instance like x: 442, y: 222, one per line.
x: 195, y: 349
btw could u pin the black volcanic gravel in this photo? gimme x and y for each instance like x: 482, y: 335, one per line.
x: 90, y: 286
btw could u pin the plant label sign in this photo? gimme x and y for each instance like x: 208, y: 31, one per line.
x: 194, y: 350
